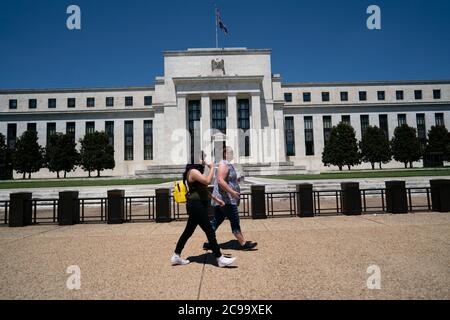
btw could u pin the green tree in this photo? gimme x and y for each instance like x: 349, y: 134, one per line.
x: 342, y: 148
x: 5, y: 160
x: 375, y: 147
x: 28, y: 157
x: 438, y: 142
x: 61, y: 154
x: 405, y: 145
x: 96, y: 153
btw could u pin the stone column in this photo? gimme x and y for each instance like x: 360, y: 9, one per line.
x: 279, y: 126
x: 255, y: 141
x: 206, y: 126
x: 232, y: 124
x: 182, y: 133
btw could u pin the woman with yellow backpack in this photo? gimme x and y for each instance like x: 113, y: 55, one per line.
x: 197, y: 202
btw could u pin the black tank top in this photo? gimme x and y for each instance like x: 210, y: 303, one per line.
x: 197, y: 191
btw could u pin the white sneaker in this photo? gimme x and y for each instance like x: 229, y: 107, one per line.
x: 224, y: 261
x: 178, y: 261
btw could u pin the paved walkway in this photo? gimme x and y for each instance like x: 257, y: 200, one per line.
x: 318, y: 258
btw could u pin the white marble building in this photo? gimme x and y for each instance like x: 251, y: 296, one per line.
x: 208, y: 97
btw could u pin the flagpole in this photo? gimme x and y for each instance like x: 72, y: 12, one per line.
x: 217, y: 33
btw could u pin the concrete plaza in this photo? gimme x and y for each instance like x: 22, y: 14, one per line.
x: 316, y: 258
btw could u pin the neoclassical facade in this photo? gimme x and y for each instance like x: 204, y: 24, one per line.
x: 209, y: 98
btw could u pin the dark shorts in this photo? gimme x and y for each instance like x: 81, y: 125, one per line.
x: 230, y: 212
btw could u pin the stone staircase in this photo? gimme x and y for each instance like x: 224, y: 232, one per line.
x: 164, y: 172
x: 283, y: 169
x: 248, y: 170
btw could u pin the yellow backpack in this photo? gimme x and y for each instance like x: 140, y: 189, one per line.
x: 180, y: 192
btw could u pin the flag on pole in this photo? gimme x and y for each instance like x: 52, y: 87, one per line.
x: 220, y: 22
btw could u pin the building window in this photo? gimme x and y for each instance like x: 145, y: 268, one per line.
x: 384, y: 125
x: 51, y: 103
x: 344, y: 96
x: 32, y: 104
x: 421, y: 130
x: 325, y: 96
x: 244, y: 114
x: 71, y: 103
x: 110, y: 101
x: 289, y: 133
x: 90, y: 102
x: 128, y: 101
x: 51, y: 131
x: 288, y: 97
x: 381, y: 95
x: 363, y: 96
x: 401, y: 119
x: 148, y: 140
x: 129, y: 154
x: 148, y: 101
x: 13, y: 103
x: 11, y: 136
x: 219, y: 115
x: 327, y: 127
x: 31, y: 127
x: 309, y: 136
x: 90, y: 127
x: 399, y: 94
x: 194, y: 125
x: 244, y: 123
x: 418, y: 94
x: 306, y: 96
x: 440, y: 119
x: 70, y: 130
x: 346, y: 119
x: 109, y: 130
x: 364, y: 124
x: 436, y: 94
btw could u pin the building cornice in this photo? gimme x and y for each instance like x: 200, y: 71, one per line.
x: 366, y: 105
x: 364, y: 83
x: 75, y: 112
x: 183, y: 80
x: 74, y: 90
x: 215, y: 51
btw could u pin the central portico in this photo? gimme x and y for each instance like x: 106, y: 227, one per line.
x: 212, y: 97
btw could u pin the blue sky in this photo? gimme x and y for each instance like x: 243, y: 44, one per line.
x: 121, y: 42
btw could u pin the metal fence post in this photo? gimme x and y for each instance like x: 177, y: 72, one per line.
x: 258, y: 202
x: 20, y: 209
x: 305, y: 207
x: 68, y: 208
x: 163, y: 213
x: 351, y: 198
x: 396, y: 199
x: 116, y: 207
x: 440, y: 195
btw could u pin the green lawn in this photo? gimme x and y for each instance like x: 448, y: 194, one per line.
x: 368, y: 174
x: 18, y: 184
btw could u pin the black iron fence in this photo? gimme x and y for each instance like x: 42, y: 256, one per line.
x: 258, y: 204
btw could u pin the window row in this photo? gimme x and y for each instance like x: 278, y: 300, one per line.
x: 71, y: 102
x: 381, y: 95
x: 289, y: 128
x: 90, y: 128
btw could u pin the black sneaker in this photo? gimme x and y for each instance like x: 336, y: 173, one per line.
x: 206, y: 246
x: 249, y: 246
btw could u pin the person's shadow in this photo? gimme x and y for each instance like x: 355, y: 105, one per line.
x: 234, y: 245
x: 208, y: 258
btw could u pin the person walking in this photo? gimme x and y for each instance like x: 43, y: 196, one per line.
x: 198, y: 200
x: 227, y: 190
